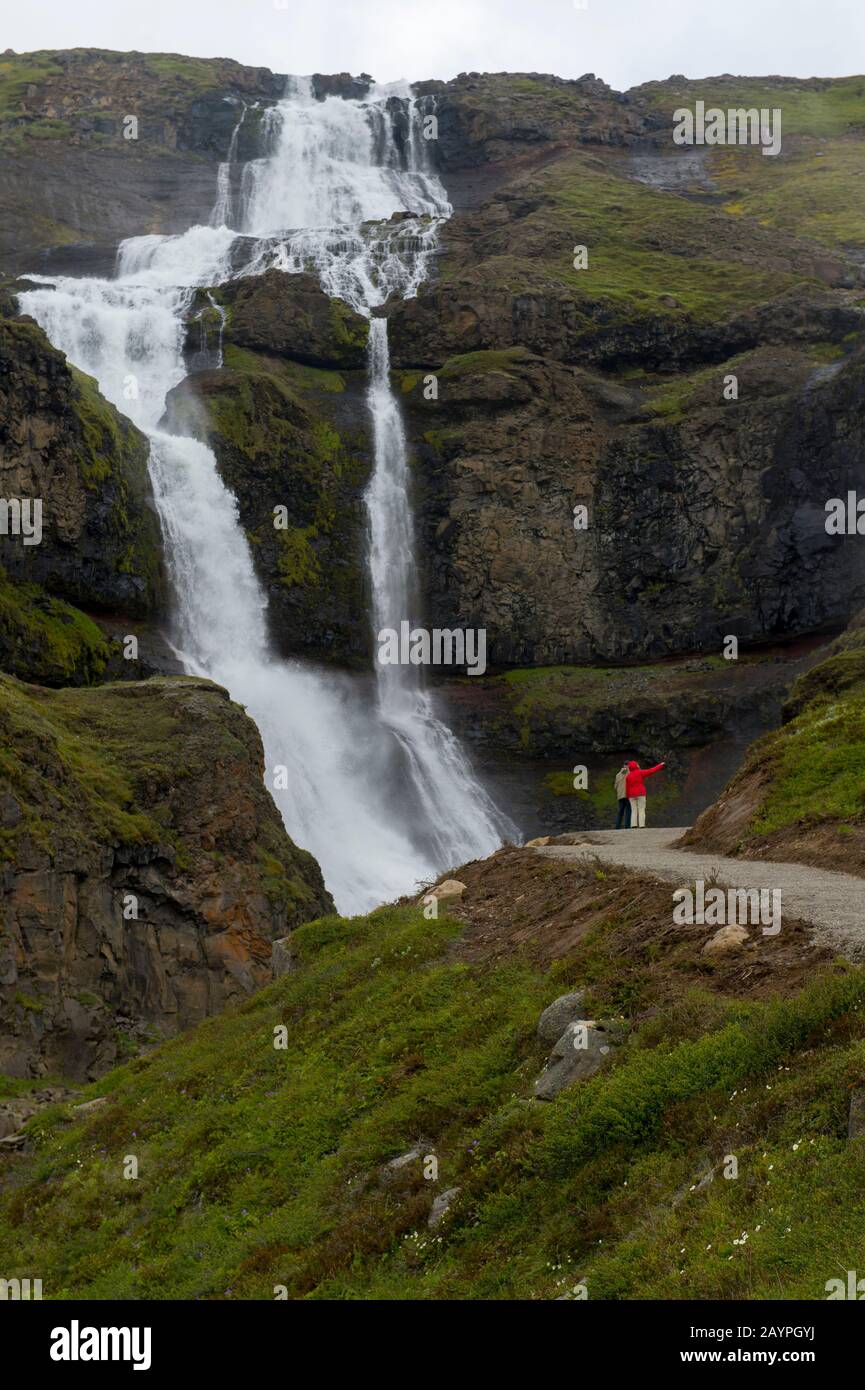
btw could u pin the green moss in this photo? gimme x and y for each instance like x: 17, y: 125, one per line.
x: 469, y: 363
x: 284, y: 889
x: 26, y: 1002
x: 45, y: 640
x: 101, y: 429
x: 286, y: 372
x: 348, y: 329
x: 280, y: 439
x: 113, y: 456
x: 326, y: 440
x: 75, y: 761
x: 297, y: 560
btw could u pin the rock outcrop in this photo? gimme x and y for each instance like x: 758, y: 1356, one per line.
x: 697, y: 524
x: 143, y: 135
x: 63, y: 446
x: 290, y: 316
x: 145, y: 869
x: 693, y: 381
x: 286, y: 417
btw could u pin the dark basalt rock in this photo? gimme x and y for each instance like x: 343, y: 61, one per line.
x: 291, y: 316
x: 341, y: 84
x: 61, y: 442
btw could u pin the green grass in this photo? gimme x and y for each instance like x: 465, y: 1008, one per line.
x: 650, y: 252
x: 838, y: 107
x: 817, y: 763
x: 176, y: 68
x: 813, y: 764
x: 68, y: 756
x: 492, y: 360
x: 20, y: 71
x: 45, y: 640
x: 284, y: 370
x: 647, y: 245
x: 814, y: 191
x: 258, y: 1166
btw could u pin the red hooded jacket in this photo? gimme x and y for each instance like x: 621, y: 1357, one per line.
x: 634, y: 784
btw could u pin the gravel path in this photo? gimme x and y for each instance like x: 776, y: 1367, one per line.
x: 833, y: 903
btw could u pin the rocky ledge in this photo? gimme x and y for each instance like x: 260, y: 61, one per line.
x: 145, y: 869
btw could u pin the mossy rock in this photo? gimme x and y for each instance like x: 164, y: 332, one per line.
x: 101, y: 543
x: 291, y: 443
x: 45, y: 640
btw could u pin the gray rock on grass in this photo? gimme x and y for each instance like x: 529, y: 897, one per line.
x: 556, y: 1016
x: 577, y: 1055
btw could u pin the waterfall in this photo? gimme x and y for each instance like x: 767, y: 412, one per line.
x: 222, y: 213
x: 379, y: 790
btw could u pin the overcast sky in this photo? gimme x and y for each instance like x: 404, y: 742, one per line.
x: 623, y: 41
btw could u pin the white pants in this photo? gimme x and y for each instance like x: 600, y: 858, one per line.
x: 638, y: 811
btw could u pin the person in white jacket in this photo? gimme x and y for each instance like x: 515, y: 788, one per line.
x: 623, y: 819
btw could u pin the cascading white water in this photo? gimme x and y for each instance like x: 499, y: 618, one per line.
x: 383, y: 796
x: 222, y: 214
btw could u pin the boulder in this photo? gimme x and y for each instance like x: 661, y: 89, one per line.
x: 556, y: 1016
x: 441, y: 1207
x: 577, y: 1055
x: 88, y: 1106
x: 729, y: 938
x: 538, y: 842
x: 449, y: 888
x: 397, y: 1167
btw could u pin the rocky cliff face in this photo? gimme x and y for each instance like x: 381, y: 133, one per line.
x: 559, y: 386
x: 144, y: 867
x: 287, y: 420
x: 704, y: 517
x: 607, y: 385
x: 77, y: 175
x: 64, y: 445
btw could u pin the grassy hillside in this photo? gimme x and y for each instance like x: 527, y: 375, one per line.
x: 801, y: 793
x: 260, y: 1167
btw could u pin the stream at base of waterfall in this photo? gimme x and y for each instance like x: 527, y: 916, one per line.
x: 374, y: 784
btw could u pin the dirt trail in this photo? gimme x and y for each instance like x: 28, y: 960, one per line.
x: 833, y: 902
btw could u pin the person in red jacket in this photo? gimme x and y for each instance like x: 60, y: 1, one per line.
x: 635, y: 791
